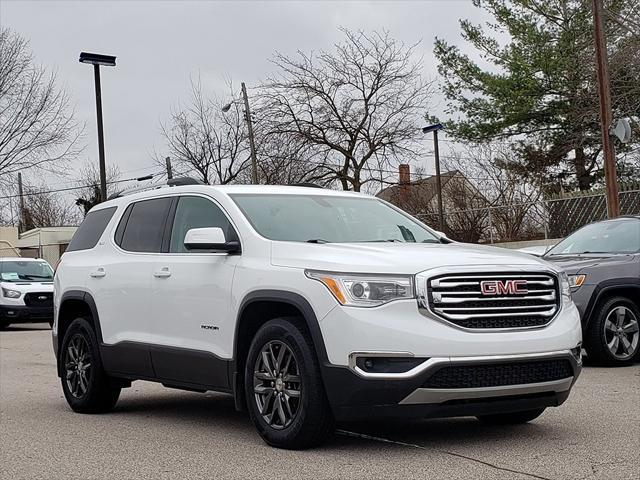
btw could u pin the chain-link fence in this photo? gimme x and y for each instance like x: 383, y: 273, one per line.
x: 537, y: 220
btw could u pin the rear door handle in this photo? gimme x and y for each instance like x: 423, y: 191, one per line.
x: 164, y: 272
x: 98, y: 273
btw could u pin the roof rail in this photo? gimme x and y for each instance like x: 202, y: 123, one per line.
x: 174, y: 182
x: 306, y: 184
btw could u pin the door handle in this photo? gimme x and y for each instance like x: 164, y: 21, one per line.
x: 98, y: 273
x: 164, y: 272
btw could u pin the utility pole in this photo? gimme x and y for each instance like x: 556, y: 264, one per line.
x: 254, y: 160
x: 21, y: 205
x: 169, y: 172
x: 606, y: 117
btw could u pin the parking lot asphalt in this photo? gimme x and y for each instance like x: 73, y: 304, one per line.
x: 157, y: 433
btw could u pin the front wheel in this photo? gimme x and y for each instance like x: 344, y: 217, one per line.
x: 513, y: 418
x: 285, y: 395
x: 86, y: 386
x: 613, y: 336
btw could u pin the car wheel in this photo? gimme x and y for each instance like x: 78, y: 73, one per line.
x: 86, y: 386
x: 613, y: 336
x: 513, y: 418
x: 285, y: 395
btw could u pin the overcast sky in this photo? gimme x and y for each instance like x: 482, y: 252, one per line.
x: 161, y: 44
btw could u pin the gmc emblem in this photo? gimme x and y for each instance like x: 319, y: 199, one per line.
x: 507, y: 287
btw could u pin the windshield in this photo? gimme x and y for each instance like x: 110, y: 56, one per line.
x: 615, y: 236
x: 328, y: 218
x: 25, y: 271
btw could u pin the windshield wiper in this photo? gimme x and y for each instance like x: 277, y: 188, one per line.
x: 317, y: 240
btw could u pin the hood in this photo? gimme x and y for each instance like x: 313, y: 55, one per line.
x: 399, y: 258
x: 577, y: 263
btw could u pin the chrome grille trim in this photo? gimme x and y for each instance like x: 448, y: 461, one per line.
x: 456, y: 299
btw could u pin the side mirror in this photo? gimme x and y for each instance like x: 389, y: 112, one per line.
x: 210, y: 238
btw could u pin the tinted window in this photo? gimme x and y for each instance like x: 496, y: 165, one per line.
x: 145, y: 225
x: 91, y: 229
x: 197, y: 212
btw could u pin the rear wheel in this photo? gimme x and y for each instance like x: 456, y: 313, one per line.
x: 86, y: 386
x: 613, y: 336
x: 285, y: 395
x: 513, y: 418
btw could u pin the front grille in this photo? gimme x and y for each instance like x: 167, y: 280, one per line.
x: 495, y: 375
x: 36, y: 299
x: 493, y: 301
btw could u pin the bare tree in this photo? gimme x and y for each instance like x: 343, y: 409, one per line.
x: 351, y: 111
x: 88, y: 181
x: 37, y: 128
x: 43, y: 208
x: 516, y: 213
x: 205, y: 141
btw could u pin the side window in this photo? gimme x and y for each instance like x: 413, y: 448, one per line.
x: 197, y: 212
x: 143, y: 225
x: 91, y: 229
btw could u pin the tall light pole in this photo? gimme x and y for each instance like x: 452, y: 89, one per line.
x: 96, y: 60
x: 434, y: 128
x: 252, y: 143
x: 606, y: 117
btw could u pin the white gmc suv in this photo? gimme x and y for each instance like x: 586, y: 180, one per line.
x: 309, y: 306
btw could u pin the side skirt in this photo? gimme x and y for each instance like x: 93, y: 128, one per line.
x: 173, y: 367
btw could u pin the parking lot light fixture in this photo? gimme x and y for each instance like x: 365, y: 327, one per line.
x: 98, y: 59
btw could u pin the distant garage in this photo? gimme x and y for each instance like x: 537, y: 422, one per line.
x: 48, y: 243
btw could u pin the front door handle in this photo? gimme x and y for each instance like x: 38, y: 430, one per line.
x: 164, y: 272
x: 98, y: 273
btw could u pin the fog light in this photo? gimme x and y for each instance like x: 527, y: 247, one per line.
x: 577, y: 353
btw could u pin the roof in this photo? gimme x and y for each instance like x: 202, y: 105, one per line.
x: 230, y: 190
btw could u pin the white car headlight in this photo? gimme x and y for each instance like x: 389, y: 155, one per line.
x: 359, y: 290
x: 10, y: 293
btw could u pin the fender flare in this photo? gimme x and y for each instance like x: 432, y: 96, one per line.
x: 294, y: 299
x: 603, y: 289
x: 85, y: 297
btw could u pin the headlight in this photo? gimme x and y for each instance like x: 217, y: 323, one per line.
x: 364, y: 290
x: 565, y: 285
x: 576, y: 281
x: 10, y: 293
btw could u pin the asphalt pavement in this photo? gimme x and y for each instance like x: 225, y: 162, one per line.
x: 157, y: 433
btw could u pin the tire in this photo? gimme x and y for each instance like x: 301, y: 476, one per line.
x: 284, y: 418
x: 613, y: 337
x: 513, y: 418
x: 87, y: 388
x: 4, y: 324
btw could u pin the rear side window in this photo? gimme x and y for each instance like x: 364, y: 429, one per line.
x: 91, y: 229
x: 143, y: 225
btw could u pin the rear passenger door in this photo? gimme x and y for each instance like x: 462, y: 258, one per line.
x: 120, y: 280
x: 192, y: 322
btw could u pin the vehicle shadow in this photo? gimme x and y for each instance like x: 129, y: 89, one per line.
x: 27, y: 327
x: 217, y: 410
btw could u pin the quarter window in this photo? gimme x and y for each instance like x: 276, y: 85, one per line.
x: 197, y: 212
x: 91, y: 229
x: 144, y: 225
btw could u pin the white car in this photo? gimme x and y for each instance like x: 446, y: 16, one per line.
x: 27, y: 291
x: 309, y: 306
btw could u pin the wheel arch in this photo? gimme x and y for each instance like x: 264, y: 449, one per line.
x: 257, y: 308
x: 74, y: 304
x: 628, y: 288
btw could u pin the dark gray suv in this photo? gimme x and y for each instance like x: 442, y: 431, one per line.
x: 603, y: 263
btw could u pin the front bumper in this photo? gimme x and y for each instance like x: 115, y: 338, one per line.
x: 25, y: 314
x: 356, y: 395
